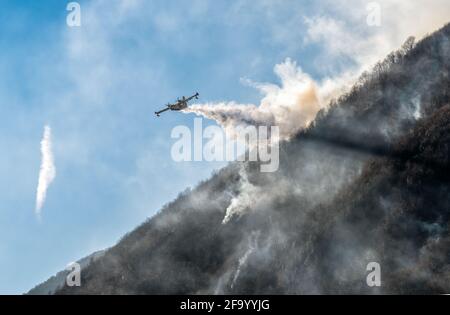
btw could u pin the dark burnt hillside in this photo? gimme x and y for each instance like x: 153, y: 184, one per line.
x: 367, y: 182
x: 396, y: 213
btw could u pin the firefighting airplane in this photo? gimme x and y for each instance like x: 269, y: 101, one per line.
x: 179, y: 105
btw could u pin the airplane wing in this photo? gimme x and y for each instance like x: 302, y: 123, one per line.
x: 161, y: 111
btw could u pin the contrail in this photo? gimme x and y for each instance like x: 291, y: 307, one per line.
x: 47, y: 172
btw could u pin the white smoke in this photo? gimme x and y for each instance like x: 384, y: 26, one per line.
x: 249, y: 194
x: 47, y: 172
x: 252, y: 244
x: 250, y: 197
x: 291, y: 106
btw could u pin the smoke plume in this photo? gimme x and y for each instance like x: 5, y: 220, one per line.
x: 248, y: 196
x: 47, y: 172
x: 243, y: 260
x: 291, y: 106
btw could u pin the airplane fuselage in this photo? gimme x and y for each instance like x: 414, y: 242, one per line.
x: 178, y: 106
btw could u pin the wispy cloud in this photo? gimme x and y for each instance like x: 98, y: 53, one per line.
x: 48, y: 172
x: 341, y: 31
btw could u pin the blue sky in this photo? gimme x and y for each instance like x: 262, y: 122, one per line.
x: 98, y: 85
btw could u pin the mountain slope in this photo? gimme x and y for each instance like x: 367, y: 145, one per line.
x: 56, y: 282
x: 366, y: 182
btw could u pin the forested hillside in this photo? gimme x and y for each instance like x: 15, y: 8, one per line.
x: 368, y: 181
